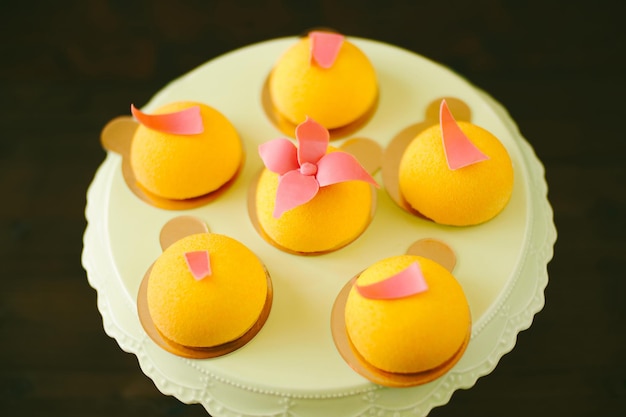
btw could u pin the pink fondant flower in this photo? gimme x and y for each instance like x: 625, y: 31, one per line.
x: 303, y: 170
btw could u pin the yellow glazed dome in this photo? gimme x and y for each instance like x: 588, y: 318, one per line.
x: 335, y: 96
x: 465, y: 196
x: 414, y: 333
x: 336, y: 216
x: 181, y: 166
x: 215, y: 309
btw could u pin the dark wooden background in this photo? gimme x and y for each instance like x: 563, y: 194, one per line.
x: 68, y: 67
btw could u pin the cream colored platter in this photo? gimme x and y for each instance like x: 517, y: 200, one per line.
x: 292, y: 367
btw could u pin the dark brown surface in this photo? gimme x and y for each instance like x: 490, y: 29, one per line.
x: 67, y: 68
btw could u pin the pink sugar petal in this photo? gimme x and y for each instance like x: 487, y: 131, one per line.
x: 339, y: 167
x: 184, y: 122
x: 313, y: 139
x: 294, y: 189
x: 279, y: 155
x: 198, y: 264
x: 460, y: 151
x: 407, y: 282
x: 325, y: 47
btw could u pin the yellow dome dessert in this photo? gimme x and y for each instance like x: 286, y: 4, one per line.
x: 184, y: 166
x: 412, y: 333
x: 464, y: 196
x: 209, y: 310
x: 334, y: 96
x: 336, y: 216
x: 312, y: 198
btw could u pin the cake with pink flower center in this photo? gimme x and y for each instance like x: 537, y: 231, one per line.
x: 311, y: 198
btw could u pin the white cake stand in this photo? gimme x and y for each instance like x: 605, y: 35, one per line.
x: 292, y: 368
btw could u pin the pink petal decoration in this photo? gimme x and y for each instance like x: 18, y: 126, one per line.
x: 405, y: 283
x: 184, y: 122
x: 198, y: 264
x: 460, y: 151
x: 313, y: 139
x: 279, y: 155
x: 303, y: 170
x: 340, y: 166
x: 325, y: 47
x: 294, y: 189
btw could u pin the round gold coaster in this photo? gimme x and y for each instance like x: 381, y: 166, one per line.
x: 435, y: 250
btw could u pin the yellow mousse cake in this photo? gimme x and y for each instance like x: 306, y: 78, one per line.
x: 412, y: 332
x: 335, y: 90
x: 182, y: 166
x: 312, y: 198
x: 468, y: 194
x: 206, y: 290
x: 335, y: 217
